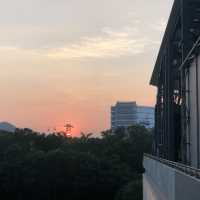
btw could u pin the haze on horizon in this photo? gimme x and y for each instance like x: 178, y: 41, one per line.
x: 70, y: 60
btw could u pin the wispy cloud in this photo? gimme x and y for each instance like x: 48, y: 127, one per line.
x: 109, y: 44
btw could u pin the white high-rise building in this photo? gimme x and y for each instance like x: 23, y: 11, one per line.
x: 145, y: 116
x: 125, y: 114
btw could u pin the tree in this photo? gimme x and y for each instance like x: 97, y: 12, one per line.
x: 132, y: 191
x: 38, y: 166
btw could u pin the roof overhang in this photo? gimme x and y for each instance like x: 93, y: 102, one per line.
x: 172, y: 22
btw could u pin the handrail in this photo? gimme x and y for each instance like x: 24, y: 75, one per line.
x: 194, y: 172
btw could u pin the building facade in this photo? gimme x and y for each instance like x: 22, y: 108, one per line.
x: 125, y: 114
x: 172, y: 173
x: 145, y: 116
x: 177, y: 78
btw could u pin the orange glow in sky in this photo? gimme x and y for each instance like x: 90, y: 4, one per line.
x: 56, y: 68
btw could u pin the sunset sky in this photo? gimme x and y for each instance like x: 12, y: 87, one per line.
x: 70, y: 60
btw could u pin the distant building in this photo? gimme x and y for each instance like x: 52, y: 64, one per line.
x: 125, y: 114
x: 145, y: 116
x: 7, y: 127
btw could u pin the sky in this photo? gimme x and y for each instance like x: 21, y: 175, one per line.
x: 70, y: 60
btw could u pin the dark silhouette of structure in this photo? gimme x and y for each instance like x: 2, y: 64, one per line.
x: 173, y: 172
x: 172, y: 77
x: 68, y: 131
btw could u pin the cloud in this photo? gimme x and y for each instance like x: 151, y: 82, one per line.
x: 110, y: 43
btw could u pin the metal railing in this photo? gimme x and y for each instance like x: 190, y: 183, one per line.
x: 194, y: 172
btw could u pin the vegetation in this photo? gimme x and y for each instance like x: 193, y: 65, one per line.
x: 36, y: 166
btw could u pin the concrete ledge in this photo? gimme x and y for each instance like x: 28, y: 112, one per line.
x: 161, y: 182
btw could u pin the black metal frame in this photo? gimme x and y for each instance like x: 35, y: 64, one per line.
x: 171, y: 140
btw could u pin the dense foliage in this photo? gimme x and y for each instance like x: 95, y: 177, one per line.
x: 36, y: 166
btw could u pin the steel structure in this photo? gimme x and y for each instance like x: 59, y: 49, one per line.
x: 68, y: 130
x: 179, y: 47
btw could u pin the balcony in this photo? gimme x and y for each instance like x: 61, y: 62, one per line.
x: 166, y: 180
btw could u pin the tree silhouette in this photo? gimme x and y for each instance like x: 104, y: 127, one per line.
x: 36, y: 166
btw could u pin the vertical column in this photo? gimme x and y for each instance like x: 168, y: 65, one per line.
x: 197, y: 107
x: 170, y: 104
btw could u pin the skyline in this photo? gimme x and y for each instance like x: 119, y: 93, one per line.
x: 70, y: 61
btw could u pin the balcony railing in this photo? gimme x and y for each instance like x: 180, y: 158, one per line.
x: 178, y: 166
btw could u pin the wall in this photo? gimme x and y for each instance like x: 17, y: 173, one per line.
x: 161, y: 182
x: 158, y: 181
x: 192, y: 105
